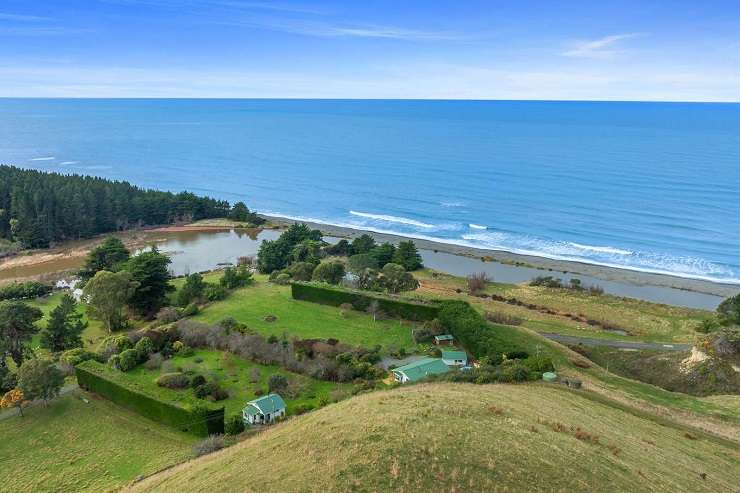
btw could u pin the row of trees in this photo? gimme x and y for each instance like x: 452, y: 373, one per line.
x: 38, y: 208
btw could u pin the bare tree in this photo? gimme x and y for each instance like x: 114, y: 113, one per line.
x: 477, y: 282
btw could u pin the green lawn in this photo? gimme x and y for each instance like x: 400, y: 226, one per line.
x: 76, y: 446
x: 250, y: 305
x: 234, y: 374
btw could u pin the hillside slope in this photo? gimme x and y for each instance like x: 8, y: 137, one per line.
x: 455, y: 437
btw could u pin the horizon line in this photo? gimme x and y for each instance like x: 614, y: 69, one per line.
x: 256, y: 98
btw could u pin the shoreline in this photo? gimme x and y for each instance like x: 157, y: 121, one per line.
x: 605, y: 273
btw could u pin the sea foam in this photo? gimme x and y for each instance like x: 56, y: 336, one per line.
x: 392, y: 219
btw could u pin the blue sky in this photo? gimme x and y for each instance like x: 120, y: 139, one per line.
x: 521, y: 49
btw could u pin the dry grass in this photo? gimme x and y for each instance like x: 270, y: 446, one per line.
x: 452, y: 437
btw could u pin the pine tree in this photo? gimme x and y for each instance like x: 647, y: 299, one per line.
x: 64, y: 328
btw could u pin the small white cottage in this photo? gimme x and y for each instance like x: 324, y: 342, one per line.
x: 264, y: 410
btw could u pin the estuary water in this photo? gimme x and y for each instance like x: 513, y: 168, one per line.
x: 644, y: 186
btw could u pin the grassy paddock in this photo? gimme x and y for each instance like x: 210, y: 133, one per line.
x: 233, y: 374
x: 641, y: 319
x: 74, y: 446
x: 495, y: 438
x: 303, y: 319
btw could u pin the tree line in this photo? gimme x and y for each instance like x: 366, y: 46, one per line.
x: 39, y: 208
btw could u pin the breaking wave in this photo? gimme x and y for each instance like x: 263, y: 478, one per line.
x: 392, y: 219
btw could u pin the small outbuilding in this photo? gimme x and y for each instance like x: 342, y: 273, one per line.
x: 455, y: 358
x: 420, y: 369
x: 444, y: 340
x: 264, y: 410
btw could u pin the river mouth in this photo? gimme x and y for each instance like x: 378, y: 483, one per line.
x: 205, y: 249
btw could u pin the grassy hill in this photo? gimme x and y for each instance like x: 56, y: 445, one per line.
x: 455, y: 437
x: 71, y: 445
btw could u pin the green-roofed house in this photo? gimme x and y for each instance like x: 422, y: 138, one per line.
x: 455, y: 358
x: 420, y: 369
x: 264, y: 410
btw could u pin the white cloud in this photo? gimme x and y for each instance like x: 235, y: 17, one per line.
x: 599, y: 48
x: 383, y: 80
x: 4, y: 16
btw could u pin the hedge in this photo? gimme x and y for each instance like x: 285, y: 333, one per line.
x: 201, y: 420
x: 473, y: 332
x: 360, y: 300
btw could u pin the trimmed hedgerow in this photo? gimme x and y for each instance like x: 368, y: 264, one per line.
x: 472, y: 331
x: 24, y: 290
x: 198, y: 418
x: 334, y: 296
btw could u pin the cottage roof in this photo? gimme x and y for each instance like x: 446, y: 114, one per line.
x: 443, y: 337
x: 454, y: 355
x: 422, y: 368
x: 266, y: 404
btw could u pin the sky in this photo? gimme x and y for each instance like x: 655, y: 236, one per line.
x: 638, y: 50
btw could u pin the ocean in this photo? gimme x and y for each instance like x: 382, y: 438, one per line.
x: 645, y: 186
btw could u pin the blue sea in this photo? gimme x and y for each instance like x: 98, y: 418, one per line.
x: 646, y: 186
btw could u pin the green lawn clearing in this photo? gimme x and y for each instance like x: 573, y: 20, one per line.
x: 76, y: 446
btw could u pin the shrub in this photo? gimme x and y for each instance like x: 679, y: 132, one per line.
x: 144, y: 347
x: 211, y: 391
x: 209, y: 445
x: 113, y: 345
x: 197, y: 381
x: 303, y: 408
x: 24, y: 290
x: 154, y: 362
x: 477, y: 282
x: 282, y: 279
x: 546, y: 281
x: 215, y: 292
x: 503, y: 318
x: 128, y: 359
x: 331, y: 272
x: 190, y: 310
x: 539, y: 364
x: 709, y: 325
x: 234, y: 424
x: 277, y: 383
x: 301, y: 271
x: 75, y: 356
x: 259, y: 391
x: 236, y: 277
x: 173, y: 381
x: 168, y: 315
x: 114, y: 361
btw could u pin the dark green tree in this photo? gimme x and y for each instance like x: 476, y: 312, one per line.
x: 150, y: 271
x: 408, y: 256
x: 362, y: 261
x: 383, y: 253
x: 65, y: 326
x: 240, y: 212
x: 277, y: 254
x: 40, y: 379
x: 362, y: 244
x: 17, y: 327
x: 192, y: 290
x: 110, y: 255
x: 236, y: 277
